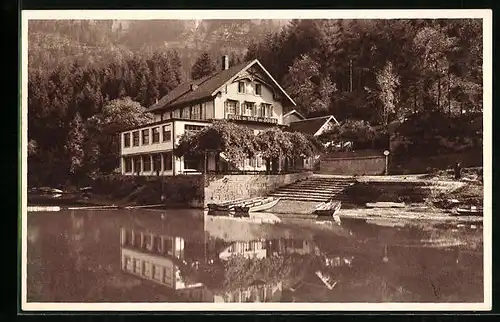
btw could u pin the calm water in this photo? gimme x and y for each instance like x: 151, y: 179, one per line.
x: 178, y: 255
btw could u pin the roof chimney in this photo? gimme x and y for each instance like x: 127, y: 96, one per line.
x: 225, y: 62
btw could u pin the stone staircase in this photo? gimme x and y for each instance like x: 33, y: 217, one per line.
x: 314, y: 189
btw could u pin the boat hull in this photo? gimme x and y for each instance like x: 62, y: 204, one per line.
x: 242, y: 208
x: 328, y: 210
x: 385, y: 205
x: 265, y: 206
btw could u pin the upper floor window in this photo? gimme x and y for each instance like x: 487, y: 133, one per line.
x: 203, y: 111
x: 156, y: 134
x: 126, y: 139
x: 176, y: 113
x: 209, y: 110
x: 167, y: 134
x: 231, y: 107
x: 258, y: 89
x: 145, y: 136
x: 249, y: 108
x: 135, y: 138
x: 196, y: 112
x: 268, y: 110
x: 167, y: 115
x: 261, y: 112
x: 241, y: 87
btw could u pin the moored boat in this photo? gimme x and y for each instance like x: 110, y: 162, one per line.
x: 242, y: 208
x: 469, y: 211
x: 328, y: 209
x: 385, y: 204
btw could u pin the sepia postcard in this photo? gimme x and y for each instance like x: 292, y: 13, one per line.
x: 256, y: 160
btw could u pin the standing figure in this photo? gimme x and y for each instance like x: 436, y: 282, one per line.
x: 458, y: 170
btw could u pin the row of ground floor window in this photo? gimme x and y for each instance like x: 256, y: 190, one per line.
x: 165, y: 163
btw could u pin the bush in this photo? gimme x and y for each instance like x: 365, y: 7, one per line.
x: 361, y: 193
x: 178, y: 190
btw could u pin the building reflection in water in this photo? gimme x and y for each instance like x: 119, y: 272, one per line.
x: 158, y: 258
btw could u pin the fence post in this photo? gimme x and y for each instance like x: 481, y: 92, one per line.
x: 386, y: 153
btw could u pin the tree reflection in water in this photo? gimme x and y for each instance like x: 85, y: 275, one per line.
x: 76, y: 257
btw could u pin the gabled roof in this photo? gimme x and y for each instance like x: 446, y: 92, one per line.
x: 207, y: 86
x: 312, y: 125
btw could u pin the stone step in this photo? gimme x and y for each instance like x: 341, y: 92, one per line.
x: 319, y: 185
x: 322, y: 183
x: 320, y: 192
x: 304, y: 199
x: 325, y: 181
x: 304, y: 193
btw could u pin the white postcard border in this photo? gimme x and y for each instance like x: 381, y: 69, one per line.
x: 484, y: 14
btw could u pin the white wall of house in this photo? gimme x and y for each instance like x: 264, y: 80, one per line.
x: 164, y: 142
x: 249, y: 95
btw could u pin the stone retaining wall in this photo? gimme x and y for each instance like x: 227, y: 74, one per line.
x: 191, y: 190
x: 220, y: 188
x: 359, y: 165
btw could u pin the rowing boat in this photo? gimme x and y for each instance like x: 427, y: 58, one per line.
x: 328, y: 209
x: 257, y: 205
x: 471, y: 211
x: 242, y: 208
x: 385, y: 204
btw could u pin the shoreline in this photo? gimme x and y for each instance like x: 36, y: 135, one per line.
x: 390, y: 216
x: 414, y: 212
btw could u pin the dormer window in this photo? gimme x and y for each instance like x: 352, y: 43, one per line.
x: 241, y: 87
x: 258, y: 89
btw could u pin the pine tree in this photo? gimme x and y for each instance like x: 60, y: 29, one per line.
x: 74, y: 144
x: 203, y: 66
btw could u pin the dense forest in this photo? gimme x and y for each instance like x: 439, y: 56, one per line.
x: 89, y: 79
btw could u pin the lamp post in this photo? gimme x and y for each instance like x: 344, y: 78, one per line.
x: 386, y: 153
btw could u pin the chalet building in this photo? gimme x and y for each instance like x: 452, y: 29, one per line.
x: 245, y: 93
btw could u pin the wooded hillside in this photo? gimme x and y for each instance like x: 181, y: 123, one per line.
x: 100, y: 75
